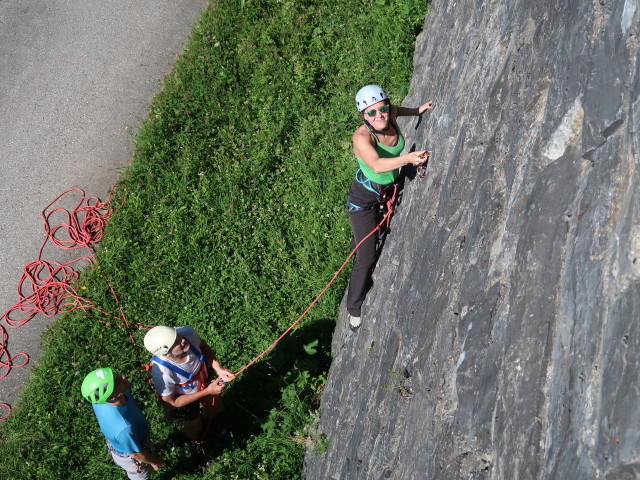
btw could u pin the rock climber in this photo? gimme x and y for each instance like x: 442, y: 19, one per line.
x: 121, y: 422
x: 179, y: 364
x: 377, y: 145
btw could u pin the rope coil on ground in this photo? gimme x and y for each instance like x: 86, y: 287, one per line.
x: 46, y: 286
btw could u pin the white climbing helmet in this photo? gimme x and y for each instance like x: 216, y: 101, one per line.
x: 368, y: 95
x: 160, y: 339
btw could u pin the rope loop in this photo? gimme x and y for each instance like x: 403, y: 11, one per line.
x: 82, y: 226
x: 7, y: 362
x: 6, y: 407
x: 46, y: 286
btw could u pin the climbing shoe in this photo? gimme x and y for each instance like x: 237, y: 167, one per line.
x: 354, y: 323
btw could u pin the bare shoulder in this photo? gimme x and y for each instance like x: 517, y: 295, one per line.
x: 361, y: 135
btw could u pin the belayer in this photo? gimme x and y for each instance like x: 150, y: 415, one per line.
x: 179, y: 368
x: 377, y: 145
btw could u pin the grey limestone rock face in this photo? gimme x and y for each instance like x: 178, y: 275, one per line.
x: 501, y: 337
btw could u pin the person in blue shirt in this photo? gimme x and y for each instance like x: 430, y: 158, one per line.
x: 121, y: 422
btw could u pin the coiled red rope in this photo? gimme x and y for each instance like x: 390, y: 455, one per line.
x: 46, y: 286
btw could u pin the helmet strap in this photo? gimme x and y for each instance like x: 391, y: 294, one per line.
x: 373, y: 130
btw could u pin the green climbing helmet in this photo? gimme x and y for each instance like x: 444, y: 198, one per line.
x: 98, y: 385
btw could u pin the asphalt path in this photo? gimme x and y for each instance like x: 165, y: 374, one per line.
x: 76, y: 79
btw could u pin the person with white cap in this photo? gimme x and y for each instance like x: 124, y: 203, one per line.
x: 179, y: 363
x: 377, y: 145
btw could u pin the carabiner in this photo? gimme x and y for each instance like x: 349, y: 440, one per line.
x: 422, y: 169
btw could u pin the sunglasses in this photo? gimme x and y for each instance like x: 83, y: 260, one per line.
x: 382, y: 109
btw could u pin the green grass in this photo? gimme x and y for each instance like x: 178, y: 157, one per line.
x: 232, y: 223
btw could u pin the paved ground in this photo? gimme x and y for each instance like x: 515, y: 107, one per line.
x: 76, y: 78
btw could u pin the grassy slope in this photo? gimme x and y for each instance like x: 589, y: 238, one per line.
x: 233, y: 222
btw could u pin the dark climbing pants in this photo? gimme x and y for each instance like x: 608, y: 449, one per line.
x: 362, y: 223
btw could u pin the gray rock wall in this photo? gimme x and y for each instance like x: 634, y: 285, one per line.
x: 501, y: 338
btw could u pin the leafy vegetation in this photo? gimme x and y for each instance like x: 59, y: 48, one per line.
x: 231, y: 222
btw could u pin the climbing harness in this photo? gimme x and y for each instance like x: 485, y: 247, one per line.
x: 201, y: 375
x: 362, y: 179
x: 385, y: 194
x: 140, y: 466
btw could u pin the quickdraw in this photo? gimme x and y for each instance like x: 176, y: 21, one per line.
x: 422, y: 169
x: 387, y: 197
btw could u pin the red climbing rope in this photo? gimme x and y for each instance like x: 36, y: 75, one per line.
x: 84, y: 227
x: 7, y: 362
x: 84, y: 224
x: 46, y: 286
x: 386, y: 219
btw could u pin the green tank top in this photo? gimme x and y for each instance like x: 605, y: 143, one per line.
x: 384, y: 151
